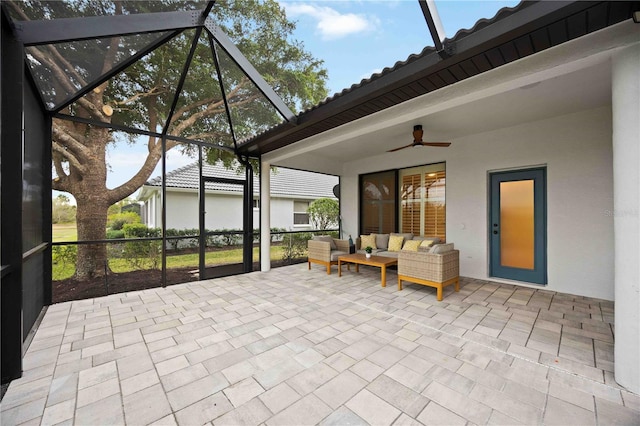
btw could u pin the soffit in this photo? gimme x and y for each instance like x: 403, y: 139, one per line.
x: 511, y: 35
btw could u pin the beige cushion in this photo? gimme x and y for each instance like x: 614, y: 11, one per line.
x: 327, y: 239
x: 368, y: 241
x: 395, y: 242
x: 406, y: 235
x: 390, y: 254
x: 382, y: 241
x: 337, y: 253
x: 411, y: 245
x: 441, y: 248
x: 432, y: 238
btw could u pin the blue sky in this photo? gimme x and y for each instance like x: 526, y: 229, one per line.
x: 355, y: 38
x: 360, y: 37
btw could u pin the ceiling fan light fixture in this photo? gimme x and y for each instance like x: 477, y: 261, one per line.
x: 418, y: 142
x: 417, y: 133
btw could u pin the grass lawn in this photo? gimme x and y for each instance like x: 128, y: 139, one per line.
x: 61, y: 271
x: 64, y: 232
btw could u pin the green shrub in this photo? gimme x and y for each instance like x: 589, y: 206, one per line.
x: 294, y: 246
x: 229, y: 238
x: 139, y: 230
x: 114, y: 234
x: 64, y: 255
x: 116, y: 221
x: 142, y: 254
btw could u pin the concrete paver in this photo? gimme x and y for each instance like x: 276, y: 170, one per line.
x: 293, y: 346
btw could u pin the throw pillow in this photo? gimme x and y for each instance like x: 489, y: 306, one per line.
x: 411, y: 245
x: 368, y: 241
x: 395, y: 242
x: 382, y: 241
x: 327, y: 239
x: 405, y: 235
x: 426, y: 243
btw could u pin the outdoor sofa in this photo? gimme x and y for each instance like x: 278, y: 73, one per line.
x: 421, y: 259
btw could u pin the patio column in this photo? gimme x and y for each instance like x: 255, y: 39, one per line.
x: 626, y: 211
x: 265, y: 216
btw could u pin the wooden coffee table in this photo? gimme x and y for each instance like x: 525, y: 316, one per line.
x: 360, y: 259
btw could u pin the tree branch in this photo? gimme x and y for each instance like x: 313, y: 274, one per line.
x: 180, y: 126
x: 63, y: 79
x: 201, y: 136
x: 73, y: 161
x: 72, y: 145
x: 58, y: 73
x: 194, y: 105
x: 57, y: 164
x: 139, y: 179
x: 155, y: 91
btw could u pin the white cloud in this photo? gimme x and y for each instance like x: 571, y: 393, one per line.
x: 332, y: 24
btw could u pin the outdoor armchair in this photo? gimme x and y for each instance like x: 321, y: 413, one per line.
x: 437, y: 268
x: 325, y: 250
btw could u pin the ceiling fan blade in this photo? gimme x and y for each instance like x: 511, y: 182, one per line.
x: 441, y: 144
x: 402, y: 147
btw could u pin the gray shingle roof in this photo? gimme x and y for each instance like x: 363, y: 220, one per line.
x: 284, y: 182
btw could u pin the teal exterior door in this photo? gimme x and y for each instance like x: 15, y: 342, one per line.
x: 518, y: 225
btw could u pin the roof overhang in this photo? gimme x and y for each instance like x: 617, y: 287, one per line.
x: 513, y: 34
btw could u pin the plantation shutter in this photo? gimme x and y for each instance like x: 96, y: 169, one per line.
x: 411, y: 203
x: 435, y: 212
x: 422, y: 201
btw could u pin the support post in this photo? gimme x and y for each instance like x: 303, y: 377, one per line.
x: 626, y: 208
x: 265, y: 216
x: 11, y: 108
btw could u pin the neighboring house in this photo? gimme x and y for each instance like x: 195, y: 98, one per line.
x: 291, y: 193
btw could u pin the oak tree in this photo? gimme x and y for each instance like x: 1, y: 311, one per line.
x: 141, y: 96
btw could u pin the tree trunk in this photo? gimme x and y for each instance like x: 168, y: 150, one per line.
x: 92, y: 198
x: 91, y: 219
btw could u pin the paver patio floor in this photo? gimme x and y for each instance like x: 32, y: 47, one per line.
x: 293, y: 346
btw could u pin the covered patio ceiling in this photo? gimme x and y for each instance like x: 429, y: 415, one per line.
x: 455, y: 122
x: 570, y: 73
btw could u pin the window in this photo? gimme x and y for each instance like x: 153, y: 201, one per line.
x: 256, y: 203
x: 405, y: 200
x: 422, y: 200
x: 378, y: 203
x: 300, y: 215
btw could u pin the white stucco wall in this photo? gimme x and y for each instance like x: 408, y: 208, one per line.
x: 577, y: 152
x: 224, y: 211
x: 182, y: 210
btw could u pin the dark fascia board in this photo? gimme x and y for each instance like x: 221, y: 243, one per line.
x: 530, y: 16
x: 33, y: 33
x: 526, y: 20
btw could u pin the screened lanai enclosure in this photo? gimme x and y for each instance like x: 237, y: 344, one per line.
x: 116, y: 93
